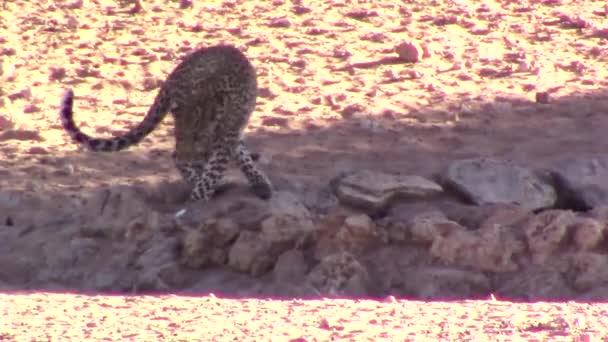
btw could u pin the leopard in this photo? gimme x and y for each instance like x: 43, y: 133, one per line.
x: 211, y: 95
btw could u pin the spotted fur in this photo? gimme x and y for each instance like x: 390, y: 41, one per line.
x: 211, y: 95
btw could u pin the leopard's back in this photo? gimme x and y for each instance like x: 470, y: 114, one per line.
x: 211, y: 93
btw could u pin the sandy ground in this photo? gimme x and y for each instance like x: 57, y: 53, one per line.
x: 333, y: 96
x: 69, y: 317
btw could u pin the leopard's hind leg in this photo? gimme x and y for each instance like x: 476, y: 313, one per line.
x: 205, y: 178
x: 259, y: 182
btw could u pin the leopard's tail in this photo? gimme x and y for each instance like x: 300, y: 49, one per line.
x: 155, y: 115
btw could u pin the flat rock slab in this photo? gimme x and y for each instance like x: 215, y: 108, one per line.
x: 490, y: 181
x: 583, y: 179
x: 375, y: 190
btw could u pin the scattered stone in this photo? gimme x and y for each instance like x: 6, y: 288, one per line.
x: 20, y: 134
x: 280, y: 22
x: 373, y: 191
x: 361, y: 13
x: 299, y: 9
x: 183, y: 4
x: 583, y: 180
x: 37, y: 150
x: 409, y: 52
x: 545, y: 232
x: 57, y: 73
x: 6, y: 123
x: 489, y: 181
x: 25, y: 93
x: 31, y: 108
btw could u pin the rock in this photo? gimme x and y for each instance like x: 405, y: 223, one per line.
x: 105, y: 281
x: 29, y: 210
x: 20, y: 269
x: 288, y: 220
x: 489, y: 249
x: 83, y: 250
x: 172, y: 274
x: 441, y: 283
x: 208, y: 245
x: 151, y: 259
x: 345, y: 230
x: 388, y: 264
x: 397, y: 231
x: 150, y: 280
x: 247, y: 233
x: 339, y: 274
x: 464, y: 214
x: 405, y: 210
x: 156, y: 252
x: 427, y: 227
x: 239, y: 205
x: 475, y: 217
x: 112, y: 212
x: 488, y: 181
x: 599, y: 212
x: 588, y: 233
x: 374, y: 191
x: 598, y: 294
x: 290, y: 291
x: 359, y: 230
x: 291, y: 267
x: 533, y: 283
x: 583, y: 180
x: 545, y: 231
x: 589, y: 270
x: 512, y: 216
x: 251, y: 253
x: 319, y: 201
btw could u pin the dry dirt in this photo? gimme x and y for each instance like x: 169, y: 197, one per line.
x: 54, y: 317
x: 334, y: 96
